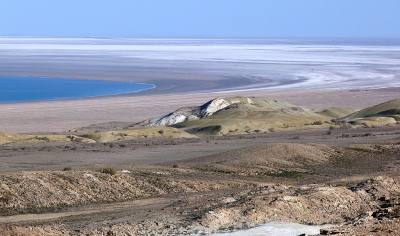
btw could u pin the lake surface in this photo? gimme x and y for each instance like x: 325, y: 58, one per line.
x: 27, y: 89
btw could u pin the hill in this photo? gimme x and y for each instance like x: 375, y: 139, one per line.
x: 129, y: 134
x: 382, y: 114
x: 264, y: 159
x: 240, y: 115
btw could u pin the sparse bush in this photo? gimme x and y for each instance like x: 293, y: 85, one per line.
x: 175, y: 166
x: 330, y: 130
x: 345, y: 125
x: 287, y: 174
x: 67, y: 169
x: 108, y: 170
x: 345, y: 135
x: 71, y: 137
x: 43, y: 138
x: 318, y: 122
x: 161, y: 131
x: 6, y: 197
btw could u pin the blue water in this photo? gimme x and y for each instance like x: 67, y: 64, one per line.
x: 27, y: 89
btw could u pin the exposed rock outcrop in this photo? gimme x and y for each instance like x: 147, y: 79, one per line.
x: 192, y: 113
x: 238, y: 115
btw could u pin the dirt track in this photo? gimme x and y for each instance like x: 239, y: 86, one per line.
x: 89, y: 211
x: 150, y: 152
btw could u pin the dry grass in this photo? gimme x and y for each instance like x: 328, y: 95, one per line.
x: 6, y: 138
x: 127, y: 134
x: 256, y: 115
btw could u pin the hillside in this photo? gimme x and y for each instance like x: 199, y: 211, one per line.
x: 336, y: 112
x: 240, y: 115
x: 382, y: 114
x: 129, y: 134
x: 7, y: 138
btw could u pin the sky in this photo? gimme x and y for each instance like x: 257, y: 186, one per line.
x: 201, y: 18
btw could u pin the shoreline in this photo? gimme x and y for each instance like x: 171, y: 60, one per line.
x: 84, y: 97
x: 162, y: 89
x: 188, y: 73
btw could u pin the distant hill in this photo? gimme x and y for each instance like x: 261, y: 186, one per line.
x: 240, y: 115
x: 382, y: 114
x: 336, y: 112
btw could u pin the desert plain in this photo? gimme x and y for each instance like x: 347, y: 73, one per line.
x: 224, y: 143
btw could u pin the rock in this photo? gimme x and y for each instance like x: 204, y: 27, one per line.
x: 213, y: 106
x: 190, y: 113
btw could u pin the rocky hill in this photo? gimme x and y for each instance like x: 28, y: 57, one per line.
x: 239, y: 115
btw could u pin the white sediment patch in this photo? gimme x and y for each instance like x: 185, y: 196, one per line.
x: 274, y: 229
x: 306, y: 65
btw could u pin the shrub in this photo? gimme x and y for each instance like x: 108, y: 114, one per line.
x: 318, y: 122
x: 108, y: 170
x: 42, y: 138
x: 345, y: 135
x: 67, y: 169
x: 271, y: 130
x: 330, y: 130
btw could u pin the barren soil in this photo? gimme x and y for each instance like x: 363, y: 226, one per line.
x: 347, y: 178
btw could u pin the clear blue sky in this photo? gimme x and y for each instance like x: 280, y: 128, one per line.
x: 201, y: 18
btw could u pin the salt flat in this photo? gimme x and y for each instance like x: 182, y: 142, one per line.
x: 311, y: 73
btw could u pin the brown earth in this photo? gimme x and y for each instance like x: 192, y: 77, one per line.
x: 350, y: 186
x: 164, y: 181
